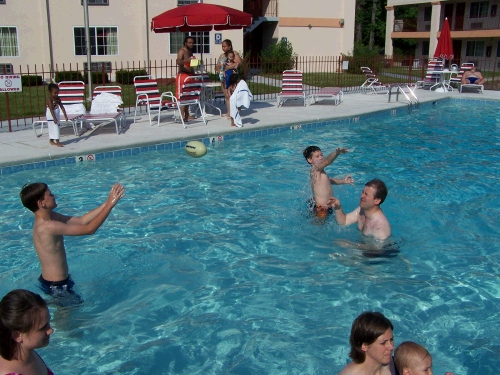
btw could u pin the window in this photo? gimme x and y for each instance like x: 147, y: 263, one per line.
x: 103, y: 41
x: 185, y: 2
x: 97, y: 2
x: 2, y: 1
x: 427, y: 14
x: 498, y: 49
x: 479, y: 9
x: 425, y: 47
x: 8, y: 42
x: 475, y: 48
x: 493, y: 11
x: 6, y: 69
x: 201, y: 41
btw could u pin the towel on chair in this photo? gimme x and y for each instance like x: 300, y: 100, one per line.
x: 105, y: 103
x: 240, y: 99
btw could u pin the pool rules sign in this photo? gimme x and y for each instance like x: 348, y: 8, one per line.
x: 10, y: 83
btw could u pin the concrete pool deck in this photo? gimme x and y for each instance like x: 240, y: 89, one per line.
x: 22, y: 146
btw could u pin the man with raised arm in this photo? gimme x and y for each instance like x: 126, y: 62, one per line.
x: 369, y: 216
x: 50, y: 228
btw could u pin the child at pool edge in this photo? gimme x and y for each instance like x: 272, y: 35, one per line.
x: 321, y: 183
x: 24, y: 327
x: 230, y: 60
x: 413, y: 359
x: 53, y: 114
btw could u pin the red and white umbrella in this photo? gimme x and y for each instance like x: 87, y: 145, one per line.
x: 200, y: 17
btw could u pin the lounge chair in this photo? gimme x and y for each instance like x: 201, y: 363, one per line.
x: 328, y: 93
x: 105, y: 108
x: 474, y: 86
x: 291, y: 87
x: 372, y: 84
x: 147, y: 94
x: 72, y: 95
x: 433, y: 75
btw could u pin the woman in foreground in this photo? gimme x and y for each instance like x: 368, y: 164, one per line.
x: 24, y: 327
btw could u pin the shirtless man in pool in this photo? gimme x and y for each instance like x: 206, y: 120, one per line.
x: 369, y: 216
x: 50, y: 227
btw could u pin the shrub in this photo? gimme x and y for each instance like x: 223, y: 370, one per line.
x: 278, y: 57
x: 31, y: 80
x: 97, y: 78
x: 126, y: 77
x: 69, y: 76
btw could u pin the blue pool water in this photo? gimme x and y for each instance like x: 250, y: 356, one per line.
x: 212, y: 266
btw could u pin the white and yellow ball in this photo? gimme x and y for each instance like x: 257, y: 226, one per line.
x: 196, y: 149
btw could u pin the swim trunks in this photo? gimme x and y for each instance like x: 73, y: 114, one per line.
x: 179, y: 81
x: 319, y: 211
x: 62, y: 291
x: 472, y: 79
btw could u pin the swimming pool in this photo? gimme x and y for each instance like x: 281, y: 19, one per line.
x: 212, y: 266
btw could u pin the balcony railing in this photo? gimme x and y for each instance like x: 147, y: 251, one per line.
x: 456, y: 24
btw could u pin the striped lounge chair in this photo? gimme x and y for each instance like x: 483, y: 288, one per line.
x: 291, y: 87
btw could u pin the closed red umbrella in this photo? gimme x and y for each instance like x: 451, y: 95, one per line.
x: 200, y: 17
x: 444, y: 47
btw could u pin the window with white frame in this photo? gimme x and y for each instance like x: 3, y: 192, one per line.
x: 103, y: 41
x: 475, y: 48
x: 97, y: 2
x: 8, y: 42
x: 479, y: 9
x: 6, y: 69
x: 201, y: 41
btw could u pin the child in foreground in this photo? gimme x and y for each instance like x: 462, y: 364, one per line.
x: 53, y: 114
x: 321, y: 183
x: 413, y: 359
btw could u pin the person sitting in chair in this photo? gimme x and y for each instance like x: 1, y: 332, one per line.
x: 473, y: 77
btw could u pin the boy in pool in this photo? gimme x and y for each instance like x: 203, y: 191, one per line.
x: 321, y: 183
x: 49, y: 230
x: 413, y: 359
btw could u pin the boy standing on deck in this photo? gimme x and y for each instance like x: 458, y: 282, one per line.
x: 321, y: 183
x: 49, y: 230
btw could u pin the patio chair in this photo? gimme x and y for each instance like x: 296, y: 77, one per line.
x: 328, y: 93
x: 190, y: 94
x: 433, y: 75
x: 105, y: 108
x: 291, y: 87
x: 372, y: 84
x: 147, y: 94
x: 72, y: 95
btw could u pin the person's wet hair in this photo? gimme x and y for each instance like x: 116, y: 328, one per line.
x: 234, y: 78
x: 20, y: 311
x: 31, y: 194
x: 366, y: 328
x: 380, y: 189
x: 309, y: 151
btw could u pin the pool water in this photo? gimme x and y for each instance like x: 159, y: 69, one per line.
x: 213, y: 266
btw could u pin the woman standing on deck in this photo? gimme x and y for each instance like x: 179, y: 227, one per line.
x: 227, y: 45
x: 24, y: 327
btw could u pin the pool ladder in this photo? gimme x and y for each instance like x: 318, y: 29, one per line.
x: 407, y: 92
